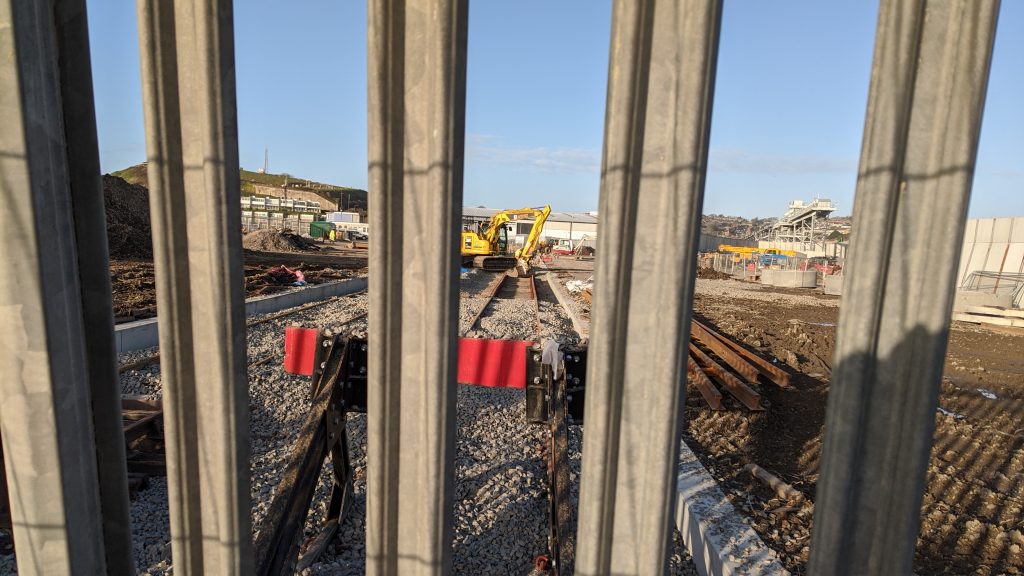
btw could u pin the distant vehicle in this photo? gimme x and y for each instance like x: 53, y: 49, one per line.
x: 827, y: 265
x: 771, y: 258
x: 562, y: 247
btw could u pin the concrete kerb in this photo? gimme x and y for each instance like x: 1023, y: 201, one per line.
x: 144, y: 334
x: 581, y: 326
x: 716, y: 536
x: 714, y: 533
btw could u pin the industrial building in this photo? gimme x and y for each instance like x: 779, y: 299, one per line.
x: 260, y: 212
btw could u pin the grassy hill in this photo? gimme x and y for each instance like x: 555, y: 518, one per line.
x: 353, y: 198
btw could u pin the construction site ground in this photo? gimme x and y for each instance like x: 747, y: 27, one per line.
x: 134, y: 283
x: 500, y: 505
x: 971, y: 518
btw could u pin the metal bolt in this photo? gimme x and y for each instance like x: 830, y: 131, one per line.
x: 577, y: 358
x: 536, y: 379
x: 362, y: 369
x: 327, y: 343
x: 536, y: 357
x: 363, y: 347
x: 323, y: 365
x: 547, y: 397
x: 568, y: 397
x: 576, y: 381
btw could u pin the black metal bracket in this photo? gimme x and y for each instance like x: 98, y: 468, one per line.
x: 539, y: 386
x: 338, y: 387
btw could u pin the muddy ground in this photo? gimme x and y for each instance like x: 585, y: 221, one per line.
x: 134, y: 283
x: 971, y: 518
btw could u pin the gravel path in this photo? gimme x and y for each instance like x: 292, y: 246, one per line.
x: 752, y: 291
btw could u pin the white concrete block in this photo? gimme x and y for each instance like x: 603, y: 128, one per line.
x: 144, y: 333
x: 721, y: 544
x: 834, y: 284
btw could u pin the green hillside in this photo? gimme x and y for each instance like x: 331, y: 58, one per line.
x: 350, y: 198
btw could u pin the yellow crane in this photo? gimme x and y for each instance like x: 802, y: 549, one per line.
x: 487, y: 247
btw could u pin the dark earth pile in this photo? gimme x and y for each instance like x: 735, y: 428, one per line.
x: 277, y: 241
x: 712, y: 274
x: 127, y: 209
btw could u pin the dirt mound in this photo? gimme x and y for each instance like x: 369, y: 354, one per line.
x: 128, y: 232
x: 277, y: 241
x: 712, y: 274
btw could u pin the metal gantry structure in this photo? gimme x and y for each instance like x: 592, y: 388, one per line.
x: 59, y: 411
x: 801, y: 227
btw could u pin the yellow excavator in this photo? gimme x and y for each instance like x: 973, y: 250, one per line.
x: 487, y: 247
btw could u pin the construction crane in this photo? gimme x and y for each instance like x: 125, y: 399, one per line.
x: 487, y: 247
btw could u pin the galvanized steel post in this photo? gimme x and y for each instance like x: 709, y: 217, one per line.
x: 187, y: 55
x: 657, y: 125
x: 417, y: 86
x: 924, y: 112
x: 79, y: 115
x: 59, y: 402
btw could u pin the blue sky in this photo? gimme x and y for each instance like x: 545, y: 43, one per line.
x: 788, y: 112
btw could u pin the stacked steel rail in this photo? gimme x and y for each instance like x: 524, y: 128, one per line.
x: 745, y: 367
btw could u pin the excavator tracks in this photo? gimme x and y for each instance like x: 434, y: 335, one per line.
x: 495, y: 263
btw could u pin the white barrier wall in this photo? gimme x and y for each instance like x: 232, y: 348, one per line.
x: 992, y: 245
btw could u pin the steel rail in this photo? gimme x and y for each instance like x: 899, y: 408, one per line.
x: 769, y: 370
x: 734, y: 385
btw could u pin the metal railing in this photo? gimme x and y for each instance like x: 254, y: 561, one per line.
x: 58, y: 411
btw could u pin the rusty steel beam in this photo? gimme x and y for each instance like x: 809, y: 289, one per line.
x: 767, y: 369
x: 734, y: 385
x: 744, y: 368
x: 707, y: 390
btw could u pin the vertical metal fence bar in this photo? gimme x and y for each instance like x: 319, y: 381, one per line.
x: 661, y: 79
x: 79, y: 114
x: 46, y: 393
x: 417, y: 84
x: 159, y: 63
x: 187, y: 53
x: 928, y: 85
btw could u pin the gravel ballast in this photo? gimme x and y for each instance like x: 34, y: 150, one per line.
x: 500, y: 513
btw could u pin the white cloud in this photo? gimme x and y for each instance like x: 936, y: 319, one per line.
x: 551, y: 160
x: 734, y: 160
x: 565, y: 160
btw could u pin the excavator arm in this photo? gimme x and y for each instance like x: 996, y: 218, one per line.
x: 540, y: 216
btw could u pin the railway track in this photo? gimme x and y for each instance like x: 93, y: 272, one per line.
x: 506, y: 287
x: 560, y: 554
